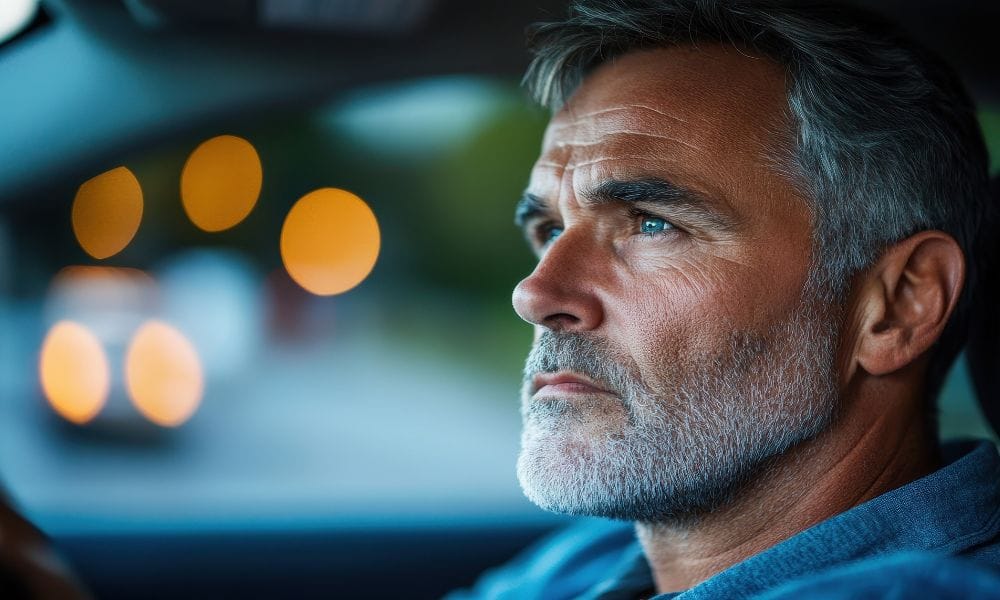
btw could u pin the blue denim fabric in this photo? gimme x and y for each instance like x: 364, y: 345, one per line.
x: 902, y: 538
x: 896, y: 577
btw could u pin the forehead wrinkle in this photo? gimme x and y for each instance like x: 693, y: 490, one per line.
x: 597, y: 161
x: 573, y: 166
x: 622, y: 138
x: 596, y: 113
x: 630, y: 119
x: 583, y: 171
x: 618, y: 146
x: 551, y: 164
x: 580, y: 143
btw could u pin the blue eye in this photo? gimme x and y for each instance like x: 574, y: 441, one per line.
x: 653, y: 225
x: 549, y: 233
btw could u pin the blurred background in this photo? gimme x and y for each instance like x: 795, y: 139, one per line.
x: 199, y: 394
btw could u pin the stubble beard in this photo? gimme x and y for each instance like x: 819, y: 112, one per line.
x: 672, y: 455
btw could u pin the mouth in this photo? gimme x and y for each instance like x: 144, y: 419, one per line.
x: 565, y: 383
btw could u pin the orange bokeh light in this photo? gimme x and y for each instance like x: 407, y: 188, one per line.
x: 220, y: 182
x: 163, y: 374
x: 74, y: 371
x: 106, y: 212
x: 330, y: 241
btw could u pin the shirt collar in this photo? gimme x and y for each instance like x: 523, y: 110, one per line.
x: 948, y: 511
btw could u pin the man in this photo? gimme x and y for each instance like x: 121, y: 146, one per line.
x: 755, y: 225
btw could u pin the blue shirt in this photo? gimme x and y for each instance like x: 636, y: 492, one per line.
x: 938, y: 536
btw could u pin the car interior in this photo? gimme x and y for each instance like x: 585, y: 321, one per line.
x: 189, y: 406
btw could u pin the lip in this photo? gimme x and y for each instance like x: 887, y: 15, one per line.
x: 565, y: 382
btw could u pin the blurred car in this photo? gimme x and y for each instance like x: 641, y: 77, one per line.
x: 186, y: 407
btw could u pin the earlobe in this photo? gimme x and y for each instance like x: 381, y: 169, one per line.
x: 906, y: 300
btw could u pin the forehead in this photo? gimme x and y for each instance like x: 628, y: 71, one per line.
x: 711, y: 118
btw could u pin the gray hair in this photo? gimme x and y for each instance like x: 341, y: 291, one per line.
x: 887, y: 142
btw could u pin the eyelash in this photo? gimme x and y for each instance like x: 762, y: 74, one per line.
x: 544, y: 228
x: 642, y: 215
x: 541, y: 232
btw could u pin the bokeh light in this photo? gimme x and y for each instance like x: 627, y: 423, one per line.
x: 221, y: 182
x: 107, y: 211
x: 74, y: 372
x: 330, y: 241
x: 163, y: 374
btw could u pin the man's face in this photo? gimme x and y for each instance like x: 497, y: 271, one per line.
x: 676, y: 347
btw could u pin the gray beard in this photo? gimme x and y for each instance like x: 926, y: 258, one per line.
x: 672, y: 456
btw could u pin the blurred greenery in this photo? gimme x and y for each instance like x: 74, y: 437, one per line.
x: 989, y: 120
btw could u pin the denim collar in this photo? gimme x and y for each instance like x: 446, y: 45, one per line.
x: 948, y: 511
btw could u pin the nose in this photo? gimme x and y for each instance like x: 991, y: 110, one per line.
x: 561, y: 294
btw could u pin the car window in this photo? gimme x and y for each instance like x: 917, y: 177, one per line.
x: 232, y: 391
x: 393, y: 397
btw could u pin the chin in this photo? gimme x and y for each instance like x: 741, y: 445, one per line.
x: 556, y: 468
x: 573, y: 470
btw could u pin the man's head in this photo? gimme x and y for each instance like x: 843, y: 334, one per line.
x: 741, y: 210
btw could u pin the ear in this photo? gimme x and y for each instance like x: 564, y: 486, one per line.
x: 906, y: 299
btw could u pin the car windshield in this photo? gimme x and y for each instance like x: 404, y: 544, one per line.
x: 177, y: 351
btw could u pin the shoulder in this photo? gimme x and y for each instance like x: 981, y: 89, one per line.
x: 562, y: 565
x: 902, y: 575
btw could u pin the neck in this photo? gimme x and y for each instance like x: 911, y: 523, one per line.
x: 875, y: 446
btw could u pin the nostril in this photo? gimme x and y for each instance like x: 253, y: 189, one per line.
x: 560, y: 321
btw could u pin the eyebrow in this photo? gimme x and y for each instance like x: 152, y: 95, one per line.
x: 527, y: 208
x: 686, y: 204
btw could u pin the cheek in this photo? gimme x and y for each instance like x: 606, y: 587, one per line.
x: 681, y: 312
x: 695, y: 291
x: 679, y: 309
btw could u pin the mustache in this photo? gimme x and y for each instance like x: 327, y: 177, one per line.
x: 594, y: 358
